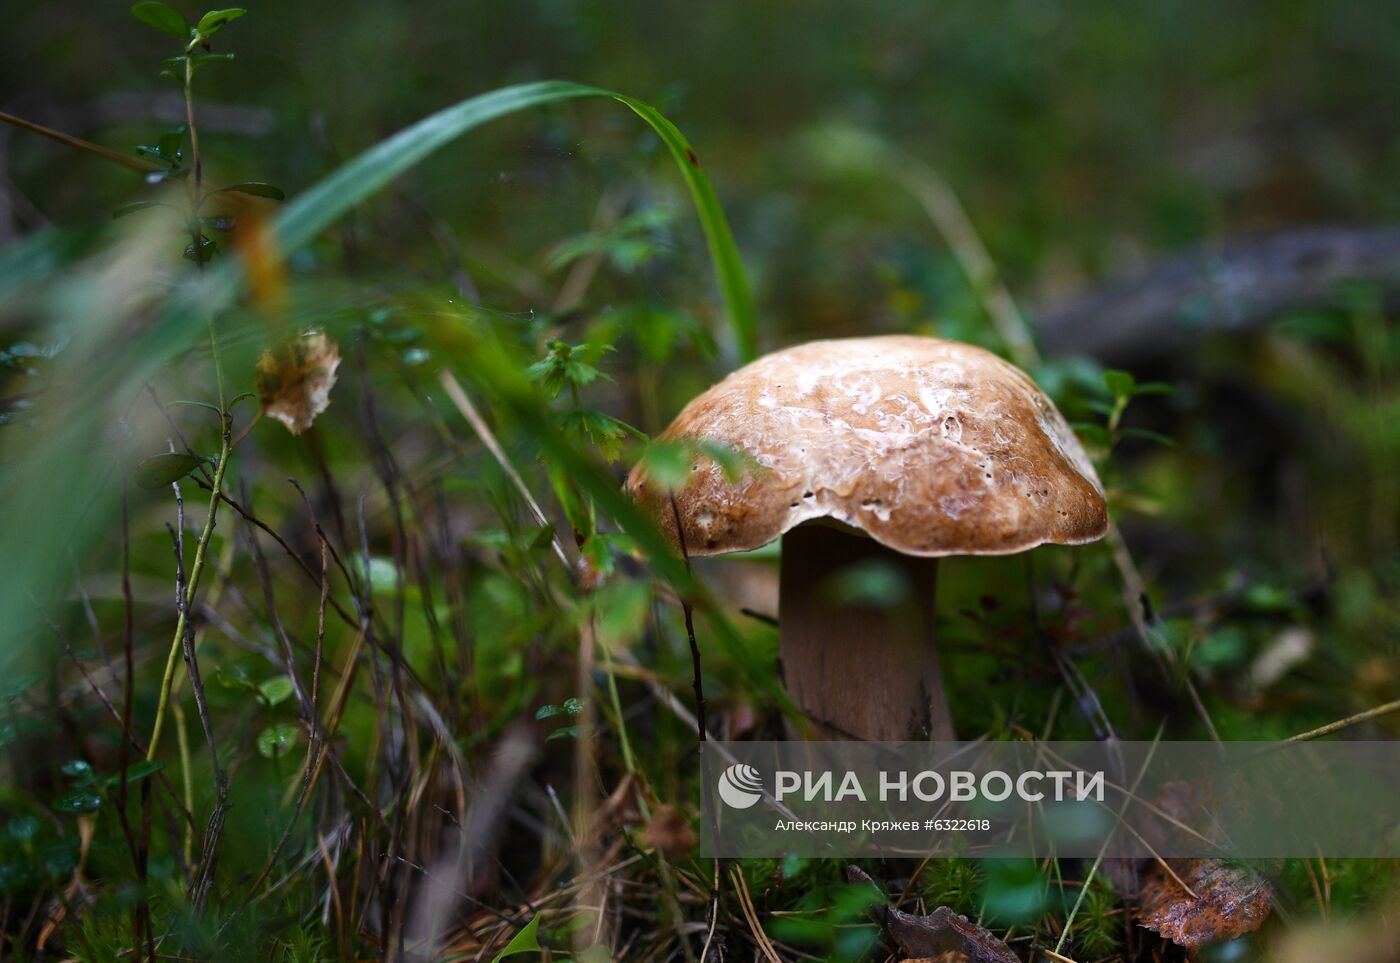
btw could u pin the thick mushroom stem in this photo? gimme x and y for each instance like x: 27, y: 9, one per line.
x: 859, y: 671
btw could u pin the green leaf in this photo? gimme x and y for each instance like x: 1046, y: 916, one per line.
x: 572, y: 706
x: 277, y: 689
x: 200, y: 60
x: 215, y: 20
x: 162, y: 17
x: 565, y: 732
x: 235, y: 678
x: 666, y: 463
x: 1153, y: 388
x: 1096, y: 435
x: 256, y: 188
x: 18, y: 685
x: 383, y: 573
x: 656, y: 329
x: 135, y: 206
x: 597, y: 552
x: 274, y: 742
x: 78, y: 801
x: 1158, y: 437
x: 561, y: 366
x: 169, y: 143
x: 526, y: 941
x: 669, y: 462
x: 629, y: 243
x: 1119, y: 383
x: 603, y: 432
x: 734, y: 463
x: 136, y: 772
x: 77, y: 769
x: 621, y: 609
x: 158, y: 152
x: 164, y: 469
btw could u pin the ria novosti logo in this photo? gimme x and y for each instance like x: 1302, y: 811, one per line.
x: 740, y: 786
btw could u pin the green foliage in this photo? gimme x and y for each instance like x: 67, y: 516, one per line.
x: 277, y: 740
x: 602, y: 432
x: 827, y: 917
x: 569, y: 709
x: 629, y: 243
x: 254, y: 188
x: 1098, y: 929
x: 277, y: 689
x: 166, y: 467
x: 525, y: 941
x: 214, y: 21
x: 1122, y: 388
x: 162, y: 17
x: 561, y: 368
x: 669, y: 461
x: 955, y: 883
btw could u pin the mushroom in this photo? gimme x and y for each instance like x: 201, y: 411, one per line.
x: 888, y: 452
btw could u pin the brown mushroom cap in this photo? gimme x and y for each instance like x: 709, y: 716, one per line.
x: 931, y: 447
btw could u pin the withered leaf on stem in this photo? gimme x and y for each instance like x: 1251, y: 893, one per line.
x: 942, y: 931
x: 295, y: 379
x: 1233, y: 900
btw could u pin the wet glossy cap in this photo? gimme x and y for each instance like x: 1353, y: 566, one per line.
x: 931, y: 447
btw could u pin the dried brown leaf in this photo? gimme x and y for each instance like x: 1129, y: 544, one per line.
x: 1231, y: 900
x: 670, y: 832
x: 296, y: 378
x: 941, y: 932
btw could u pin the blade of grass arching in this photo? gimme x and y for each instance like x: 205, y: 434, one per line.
x: 723, y: 252
x: 361, y: 177
x: 357, y: 180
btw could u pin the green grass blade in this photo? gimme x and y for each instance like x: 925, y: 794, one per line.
x: 723, y: 252
x: 362, y: 177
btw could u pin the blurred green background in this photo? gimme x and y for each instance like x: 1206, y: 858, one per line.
x: 1084, y: 138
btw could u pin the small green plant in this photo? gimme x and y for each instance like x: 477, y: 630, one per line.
x: 168, y: 152
x: 569, y: 709
x: 956, y: 883
x: 1098, y: 929
x: 1122, y: 389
